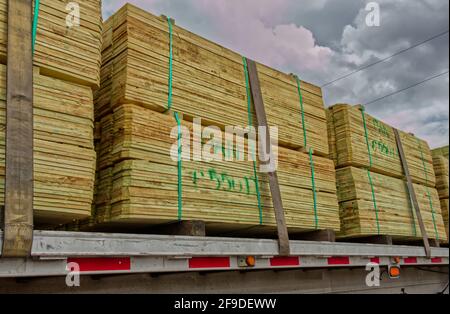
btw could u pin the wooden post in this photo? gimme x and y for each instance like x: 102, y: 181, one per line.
x: 18, y: 215
x: 283, y: 236
x: 412, y: 193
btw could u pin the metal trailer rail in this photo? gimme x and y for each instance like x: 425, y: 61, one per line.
x: 54, y: 252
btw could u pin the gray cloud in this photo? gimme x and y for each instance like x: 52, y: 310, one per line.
x: 323, y: 39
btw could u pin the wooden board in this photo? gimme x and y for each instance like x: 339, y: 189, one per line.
x: 18, y: 195
x: 208, y: 80
x: 69, y: 53
x: 64, y: 156
x: 137, y: 181
x: 441, y: 169
x: 442, y: 151
x: 395, y: 213
x: 349, y: 146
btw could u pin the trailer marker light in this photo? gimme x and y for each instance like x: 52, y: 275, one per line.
x: 250, y: 261
x: 394, y: 271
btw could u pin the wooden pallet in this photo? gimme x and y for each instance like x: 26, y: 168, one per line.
x: 137, y: 182
x: 349, y: 146
x: 64, y: 156
x: 69, y: 53
x: 393, y: 207
x: 208, y: 80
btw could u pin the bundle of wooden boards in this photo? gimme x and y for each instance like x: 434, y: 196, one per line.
x: 67, y: 66
x: 372, y: 190
x: 351, y: 133
x: 138, y: 183
x: 440, y: 161
x: 63, y: 49
x: 208, y: 80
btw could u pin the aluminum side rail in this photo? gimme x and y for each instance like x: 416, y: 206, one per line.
x: 54, y: 253
x: 75, y: 244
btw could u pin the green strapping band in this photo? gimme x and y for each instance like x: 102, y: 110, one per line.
x: 366, y: 134
x: 433, y: 214
x: 170, y: 83
x: 374, y: 200
x: 303, y: 112
x: 250, y: 123
x: 311, y: 161
x: 180, y: 174
x: 35, y: 24
x: 313, y: 180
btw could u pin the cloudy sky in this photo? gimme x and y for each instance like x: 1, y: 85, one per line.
x: 321, y: 40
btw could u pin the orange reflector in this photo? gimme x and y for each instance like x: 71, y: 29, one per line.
x: 394, y: 272
x: 250, y: 261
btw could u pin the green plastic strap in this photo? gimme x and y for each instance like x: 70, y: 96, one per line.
x: 433, y: 214
x: 366, y: 134
x: 313, y: 181
x: 180, y: 178
x: 311, y: 161
x: 250, y: 123
x: 35, y: 23
x: 302, y: 111
x: 170, y: 83
x: 374, y: 200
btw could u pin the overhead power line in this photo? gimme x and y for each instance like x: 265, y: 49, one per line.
x: 406, y: 88
x: 385, y: 59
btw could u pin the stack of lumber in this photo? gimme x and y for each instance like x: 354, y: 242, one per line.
x: 440, y: 161
x: 372, y: 190
x: 349, y: 146
x: 64, y: 156
x: 442, y: 151
x: 66, y: 60
x: 393, y: 212
x: 208, y: 80
x: 138, y: 181
x: 69, y: 53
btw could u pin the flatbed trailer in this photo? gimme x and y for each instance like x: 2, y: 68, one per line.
x: 219, y: 264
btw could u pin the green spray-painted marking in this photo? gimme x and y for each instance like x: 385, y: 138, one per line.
x: 223, y: 181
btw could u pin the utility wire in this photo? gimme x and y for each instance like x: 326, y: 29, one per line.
x: 385, y: 59
x: 406, y: 88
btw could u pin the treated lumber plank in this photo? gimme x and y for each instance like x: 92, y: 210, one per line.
x: 258, y: 102
x: 18, y: 215
x: 412, y: 193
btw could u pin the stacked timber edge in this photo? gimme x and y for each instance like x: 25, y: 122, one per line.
x: 66, y: 68
x: 138, y: 183
x: 68, y: 53
x: 372, y: 190
x: 208, y: 80
x: 440, y: 162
